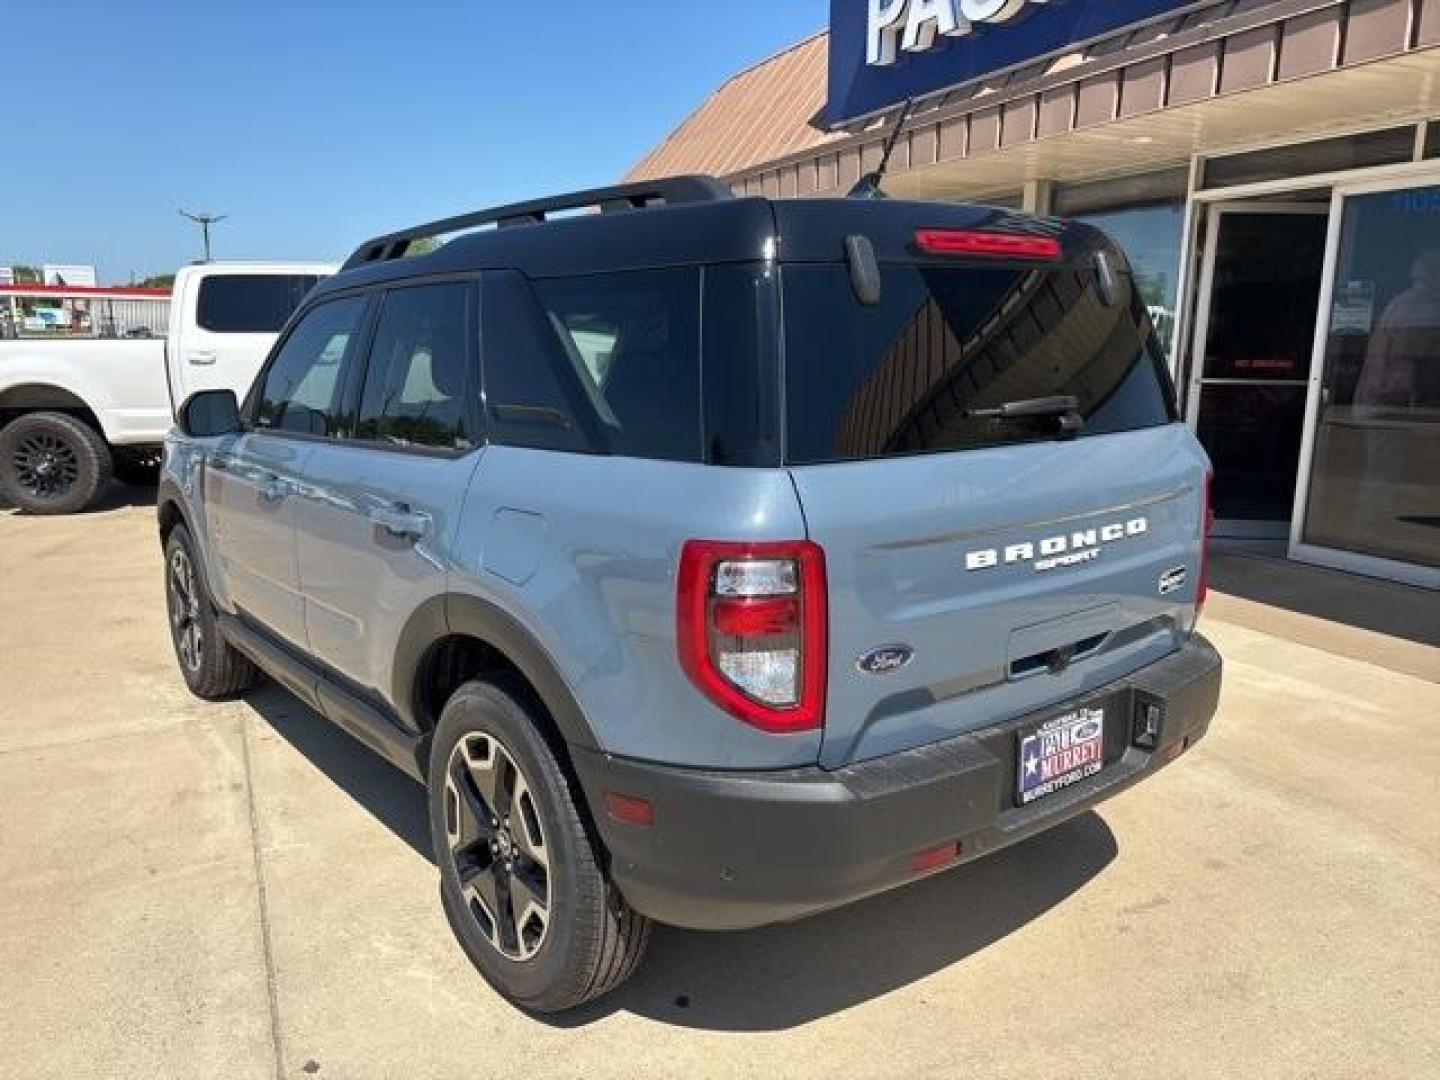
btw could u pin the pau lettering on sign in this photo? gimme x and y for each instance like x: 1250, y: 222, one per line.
x: 913, y: 25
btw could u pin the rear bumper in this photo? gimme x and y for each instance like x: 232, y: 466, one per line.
x: 730, y: 850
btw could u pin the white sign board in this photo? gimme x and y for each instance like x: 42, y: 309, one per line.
x: 7, y: 276
x: 69, y: 275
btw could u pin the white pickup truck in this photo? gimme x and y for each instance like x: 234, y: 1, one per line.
x: 74, y: 412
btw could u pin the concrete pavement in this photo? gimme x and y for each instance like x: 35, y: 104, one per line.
x: 240, y: 890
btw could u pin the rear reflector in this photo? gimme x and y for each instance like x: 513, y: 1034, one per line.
x: 630, y: 809
x: 987, y: 244
x: 930, y: 858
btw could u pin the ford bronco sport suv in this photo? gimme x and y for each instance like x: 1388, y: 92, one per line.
x: 710, y: 560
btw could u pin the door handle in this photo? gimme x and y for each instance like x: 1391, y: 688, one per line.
x: 400, y: 520
x: 201, y: 356
x: 219, y: 462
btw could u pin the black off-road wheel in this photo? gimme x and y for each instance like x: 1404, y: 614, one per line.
x: 52, y: 463
x: 521, y: 878
x: 212, y: 668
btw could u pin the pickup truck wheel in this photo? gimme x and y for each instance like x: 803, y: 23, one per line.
x: 52, y: 463
x: 520, y: 878
x: 212, y: 668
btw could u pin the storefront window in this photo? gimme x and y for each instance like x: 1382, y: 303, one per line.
x: 1150, y: 238
x: 1375, y: 477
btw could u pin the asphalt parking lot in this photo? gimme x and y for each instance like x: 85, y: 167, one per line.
x: 241, y: 891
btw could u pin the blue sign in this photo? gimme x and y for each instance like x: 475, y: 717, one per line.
x: 884, y: 51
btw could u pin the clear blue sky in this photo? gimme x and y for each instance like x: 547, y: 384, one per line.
x: 314, y: 123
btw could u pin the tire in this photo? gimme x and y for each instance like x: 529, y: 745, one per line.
x: 488, y: 756
x: 138, y: 467
x: 212, y: 668
x: 52, y: 463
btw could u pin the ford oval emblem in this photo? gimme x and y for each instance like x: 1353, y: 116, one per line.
x: 886, y: 659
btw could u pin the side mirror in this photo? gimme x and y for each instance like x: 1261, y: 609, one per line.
x: 209, y: 413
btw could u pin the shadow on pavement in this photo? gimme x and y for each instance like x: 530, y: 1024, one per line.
x: 1383, y: 607
x: 780, y: 976
x: 390, y: 796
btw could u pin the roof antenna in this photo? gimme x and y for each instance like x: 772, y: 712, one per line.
x: 869, y: 185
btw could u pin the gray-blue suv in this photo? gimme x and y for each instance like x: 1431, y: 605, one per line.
x: 710, y: 560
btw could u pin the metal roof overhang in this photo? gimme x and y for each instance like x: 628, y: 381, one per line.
x: 1235, y: 75
x: 1395, y: 91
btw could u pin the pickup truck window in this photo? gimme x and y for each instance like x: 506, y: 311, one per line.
x: 415, y: 382
x: 304, y: 386
x: 250, y: 303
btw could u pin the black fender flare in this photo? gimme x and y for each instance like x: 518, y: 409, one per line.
x: 460, y: 613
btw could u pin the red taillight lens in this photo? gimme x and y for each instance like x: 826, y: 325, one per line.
x: 1207, y: 526
x: 751, y: 629
x: 987, y: 244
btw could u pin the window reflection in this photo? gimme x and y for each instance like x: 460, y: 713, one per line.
x: 1150, y: 238
x: 1375, y: 480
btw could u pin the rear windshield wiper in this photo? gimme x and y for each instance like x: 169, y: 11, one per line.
x: 1064, y: 407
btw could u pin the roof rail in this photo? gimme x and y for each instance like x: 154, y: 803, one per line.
x: 621, y: 197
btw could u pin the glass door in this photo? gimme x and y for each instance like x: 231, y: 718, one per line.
x: 1370, y: 500
x: 1254, y: 335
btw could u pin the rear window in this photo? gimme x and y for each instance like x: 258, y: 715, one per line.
x: 250, y: 303
x: 903, y: 376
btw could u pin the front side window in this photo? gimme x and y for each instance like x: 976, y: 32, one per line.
x: 303, y: 387
x: 250, y: 303
x: 415, y: 383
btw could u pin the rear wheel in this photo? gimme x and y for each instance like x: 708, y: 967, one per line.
x: 52, y: 463
x: 520, y: 879
x: 212, y: 668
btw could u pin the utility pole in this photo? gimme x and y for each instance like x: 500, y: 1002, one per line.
x: 204, y: 221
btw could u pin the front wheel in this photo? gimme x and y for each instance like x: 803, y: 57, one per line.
x: 212, y: 668
x: 519, y: 875
x: 52, y: 463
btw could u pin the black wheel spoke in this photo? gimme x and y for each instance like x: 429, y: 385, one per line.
x: 45, y: 465
x: 474, y: 815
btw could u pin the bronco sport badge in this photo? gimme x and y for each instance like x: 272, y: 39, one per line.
x: 1053, y: 552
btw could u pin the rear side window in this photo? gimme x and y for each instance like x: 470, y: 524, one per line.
x: 415, y: 383
x: 304, y: 386
x: 901, y: 377
x: 250, y: 303
x: 608, y: 363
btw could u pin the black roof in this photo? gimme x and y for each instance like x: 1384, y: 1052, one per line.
x: 698, y: 222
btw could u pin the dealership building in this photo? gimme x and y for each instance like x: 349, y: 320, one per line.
x: 1270, y: 167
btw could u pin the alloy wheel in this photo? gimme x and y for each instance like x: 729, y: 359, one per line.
x: 497, y: 846
x: 45, y: 465
x: 184, y: 600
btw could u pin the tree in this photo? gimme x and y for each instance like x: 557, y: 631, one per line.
x: 28, y: 275
x: 157, y: 281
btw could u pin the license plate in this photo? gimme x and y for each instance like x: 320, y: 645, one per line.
x: 1060, y: 752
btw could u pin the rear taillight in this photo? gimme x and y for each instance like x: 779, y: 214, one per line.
x: 1207, y: 525
x: 987, y: 244
x: 751, y: 629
